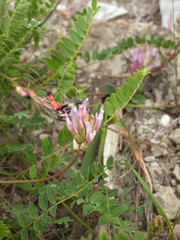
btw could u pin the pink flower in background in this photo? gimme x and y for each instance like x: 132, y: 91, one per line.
x: 170, y: 22
x: 83, y: 126
x: 173, y: 25
x: 62, y: 32
x: 145, y: 57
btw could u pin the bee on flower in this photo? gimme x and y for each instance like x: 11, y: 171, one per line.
x: 83, y: 126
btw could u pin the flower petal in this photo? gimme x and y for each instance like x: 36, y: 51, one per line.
x: 140, y: 57
x: 69, y: 124
x: 74, y: 118
x: 88, y: 131
x: 100, y: 118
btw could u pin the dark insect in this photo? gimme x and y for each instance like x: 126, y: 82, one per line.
x: 48, y: 105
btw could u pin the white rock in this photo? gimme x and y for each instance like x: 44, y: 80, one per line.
x: 176, y: 172
x: 110, y: 148
x: 149, y: 102
x: 178, y: 189
x: 155, y: 165
x: 165, y: 120
x: 173, y: 182
x: 152, y: 120
x: 43, y: 136
x: 156, y: 170
x: 157, y: 151
x: 175, y: 136
x: 149, y: 159
x: 168, y: 200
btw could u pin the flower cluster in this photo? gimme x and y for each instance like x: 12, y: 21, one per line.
x: 83, y: 126
x: 155, y: 227
x: 145, y: 57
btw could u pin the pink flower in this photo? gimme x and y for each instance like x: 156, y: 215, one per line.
x: 174, y: 24
x: 63, y: 31
x: 145, y: 57
x: 170, y: 22
x: 83, y: 126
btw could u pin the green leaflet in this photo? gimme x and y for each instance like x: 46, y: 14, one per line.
x: 70, y: 45
x: 51, y: 195
x: 32, y: 210
x: 75, y: 37
x: 43, y: 203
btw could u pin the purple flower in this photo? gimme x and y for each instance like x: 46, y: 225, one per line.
x: 83, y: 126
x: 170, y: 22
x: 146, y: 57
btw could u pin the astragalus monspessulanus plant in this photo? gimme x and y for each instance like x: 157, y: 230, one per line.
x: 34, y: 167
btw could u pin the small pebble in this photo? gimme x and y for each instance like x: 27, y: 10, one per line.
x: 176, y: 172
x: 165, y: 120
x: 178, y: 189
x: 149, y: 159
x: 173, y: 182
